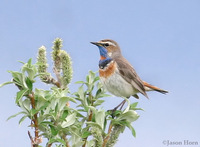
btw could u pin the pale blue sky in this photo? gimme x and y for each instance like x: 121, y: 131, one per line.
x: 161, y: 39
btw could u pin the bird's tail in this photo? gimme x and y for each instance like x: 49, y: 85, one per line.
x: 149, y: 87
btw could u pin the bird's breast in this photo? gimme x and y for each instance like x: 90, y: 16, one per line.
x: 113, y: 82
x: 108, y: 70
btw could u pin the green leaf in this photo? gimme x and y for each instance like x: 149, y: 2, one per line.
x: 100, y: 118
x: 33, y: 112
x: 30, y: 61
x: 134, y: 105
x: 44, y: 94
x: 21, y: 62
x: 65, y: 113
x: 82, y: 97
x: 81, y: 110
x: 137, y: 109
x: 70, y: 120
x: 90, y: 88
x: 75, y: 131
x: 94, y: 110
x: 62, y: 103
x: 87, y: 79
x: 46, y: 104
x: 98, y: 102
x: 26, y: 104
x: 6, y: 83
x: 80, y: 115
x: 94, y: 124
x: 80, y: 82
x: 104, y: 95
x: 72, y: 99
x: 132, y: 129
x: 91, y: 143
x: 96, y: 79
x: 30, y: 69
x: 86, y: 134
x: 41, y: 102
x: 12, y: 116
x: 101, y: 93
x: 20, y: 94
x: 91, y: 77
x: 79, y: 105
x: 61, y: 141
x: 54, y: 132
x: 90, y: 80
x: 81, y: 93
x: 18, y: 79
x: 115, y: 113
x: 52, y: 140
x: 56, y: 109
x: 129, y: 116
x: 29, y: 83
x: 22, y: 119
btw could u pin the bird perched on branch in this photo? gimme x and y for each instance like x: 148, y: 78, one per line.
x: 117, y: 75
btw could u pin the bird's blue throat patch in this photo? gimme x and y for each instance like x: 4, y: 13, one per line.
x: 103, y: 51
x: 105, y: 59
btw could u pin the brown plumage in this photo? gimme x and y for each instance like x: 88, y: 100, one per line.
x: 124, y: 77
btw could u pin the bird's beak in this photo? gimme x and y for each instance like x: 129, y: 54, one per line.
x: 96, y: 43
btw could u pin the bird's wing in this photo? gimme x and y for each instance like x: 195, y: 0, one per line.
x: 129, y: 74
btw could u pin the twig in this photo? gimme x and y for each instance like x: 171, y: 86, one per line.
x: 49, y: 145
x: 57, y: 73
x: 108, y: 136
x: 54, y: 82
x: 31, y: 138
x: 34, y: 141
x: 66, y: 141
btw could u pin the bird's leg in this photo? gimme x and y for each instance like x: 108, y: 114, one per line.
x: 121, y: 104
x: 113, y: 110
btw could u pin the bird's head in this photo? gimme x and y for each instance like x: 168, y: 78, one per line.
x: 108, y: 48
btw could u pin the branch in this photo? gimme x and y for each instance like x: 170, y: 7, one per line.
x: 31, y: 138
x: 66, y: 141
x: 108, y: 136
x: 117, y: 129
x: 37, y: 139
x: 49, y: 145
x: 58, y: 82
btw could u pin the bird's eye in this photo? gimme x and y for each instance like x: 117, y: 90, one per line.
x: 106, y: 44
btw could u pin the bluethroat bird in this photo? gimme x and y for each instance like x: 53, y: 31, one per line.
x: 117, y: 75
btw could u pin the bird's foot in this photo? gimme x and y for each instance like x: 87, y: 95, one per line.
x: 114, y: 112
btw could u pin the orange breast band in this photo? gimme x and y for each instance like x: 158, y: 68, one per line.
x: 108, y: 71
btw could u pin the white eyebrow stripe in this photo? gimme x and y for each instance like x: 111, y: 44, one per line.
x: 110, y: 43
